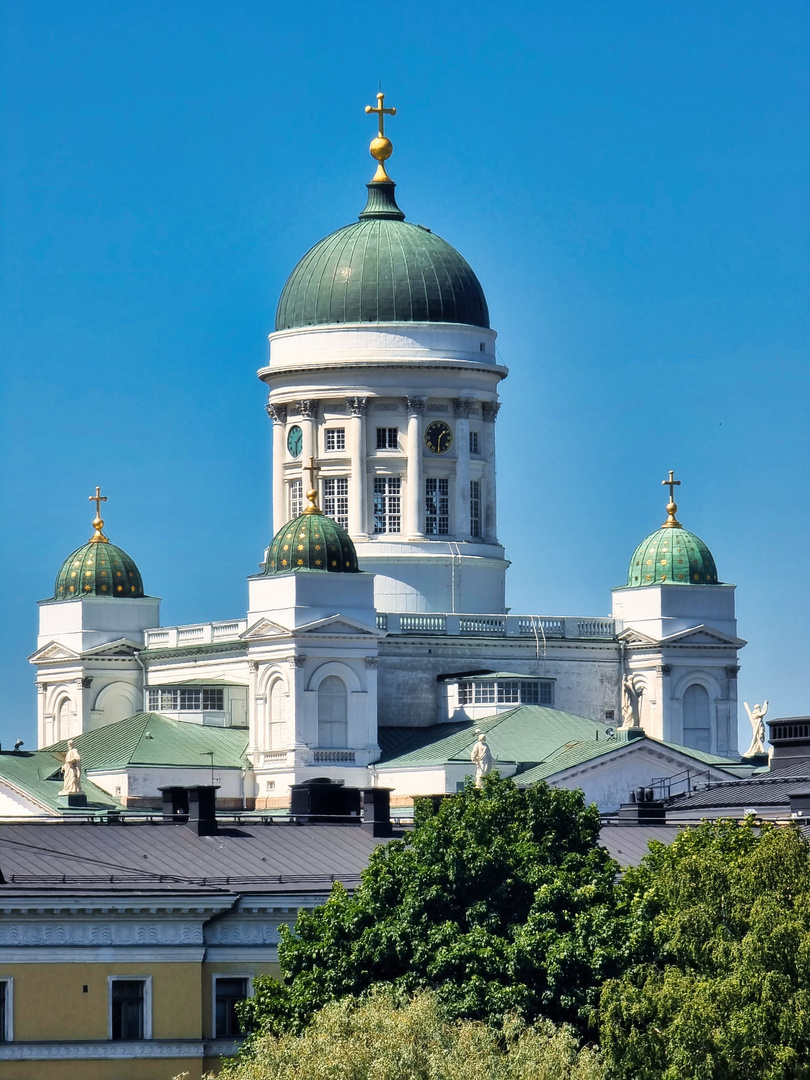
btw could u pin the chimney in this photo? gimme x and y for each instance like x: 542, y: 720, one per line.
x: 643, y: 809
x: 322, y: 802
x: 377, y: 810
x: 790, y: 738
x: 202, y: 810
x: 175, y: 804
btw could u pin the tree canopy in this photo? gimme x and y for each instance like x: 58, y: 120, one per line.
x: 501, y: 901
x: 718, y: 933
x: 375, y: 1038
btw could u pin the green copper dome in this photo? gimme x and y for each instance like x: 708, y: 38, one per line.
x: 672, y: 556
x: 99, y: 568
x: 311, y: 541
x: 381, y: 269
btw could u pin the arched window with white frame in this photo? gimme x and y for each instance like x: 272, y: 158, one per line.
x: 64, y: 716
x: 332, y: 712
x: 277, y: 719
x: 697, y: 718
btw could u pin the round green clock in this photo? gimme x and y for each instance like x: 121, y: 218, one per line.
x: 438, y: 437
x: 295, y: 441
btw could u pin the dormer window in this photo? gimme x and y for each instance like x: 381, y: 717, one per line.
x: 510, y: 691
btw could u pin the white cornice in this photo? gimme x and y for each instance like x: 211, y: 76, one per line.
x: 104, y: 1051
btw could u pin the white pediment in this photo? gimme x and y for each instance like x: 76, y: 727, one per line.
x: 264, y: 628
x: 339, y: 625
x: 120, y: 647
x: 703, y: 635
x: 53, y: 653
x: 662, y: 760
x: 631, y: 636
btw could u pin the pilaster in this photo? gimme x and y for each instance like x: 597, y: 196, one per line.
x: 278, y: 415
x: 358, y: 512
x: 489, y: 410
x: 414, y: 482
x: 461, y: 526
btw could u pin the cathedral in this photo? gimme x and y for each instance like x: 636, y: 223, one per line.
x: 376, y: 644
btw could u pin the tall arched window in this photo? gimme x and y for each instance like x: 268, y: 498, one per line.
x: 697, y: 726
x: 277, y: 727
x: 332, y: 728
x: 63, y: 718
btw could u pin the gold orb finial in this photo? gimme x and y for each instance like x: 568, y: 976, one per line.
x: 312, y: 494
x: 98, y: 536
x: 672, y: 507
x: 381, y: 148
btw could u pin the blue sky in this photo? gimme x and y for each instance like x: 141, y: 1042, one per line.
x: 629, y: 181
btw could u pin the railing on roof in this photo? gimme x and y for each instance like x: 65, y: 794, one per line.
x: 170, y: 637
x: 683, y: 782
x: 540, y: 627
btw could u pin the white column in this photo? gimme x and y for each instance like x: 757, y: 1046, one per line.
x: 490, y: 524
x: 278, y: 414
x: 308, y: 408
x: 414, y: 494
x: 358, y: 510
x: 461, y: 527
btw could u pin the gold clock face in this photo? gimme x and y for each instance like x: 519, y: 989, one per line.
x: 438, y: 437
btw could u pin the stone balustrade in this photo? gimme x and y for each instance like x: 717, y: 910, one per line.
x: 540, y: 627
x: 172, y: 637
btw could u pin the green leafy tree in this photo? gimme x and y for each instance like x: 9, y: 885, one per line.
x: 373, y: 1039
x: 502, y: 902
x: 719, y: 928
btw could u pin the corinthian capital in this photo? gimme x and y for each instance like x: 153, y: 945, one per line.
x: 308, y: 407
x: 357, y: 405
x: 490, y: 410
x: 415, y: 406
x: 463, y: 406
x: 277, y: 413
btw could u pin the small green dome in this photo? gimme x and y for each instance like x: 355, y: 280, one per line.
x: 674, y: 556
x: 311, y: 541
x: 98, y: 568
x: 382, y: 269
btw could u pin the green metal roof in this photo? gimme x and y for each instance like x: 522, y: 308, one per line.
x: 381, y: 269
x: 672, y: 555
x: 38, y: 775
x: 154, y: 739
x: 98, y: 568
x: 312, y: 541
x: 541, y: 741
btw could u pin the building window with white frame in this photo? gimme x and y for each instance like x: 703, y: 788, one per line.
x: 130, y: 1009
x: 228, y: 991
x: 474, y: 442
x: 475, y: 508
x: 336, y: 499
x: 277, y: 728
x: 437, y: 505
x: 296, y: 498
x: 387, y: 438
x: 335, y: 439
x: 6, y: 1010
x: 387, y: 504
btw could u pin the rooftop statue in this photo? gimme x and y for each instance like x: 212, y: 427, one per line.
x: 756, y: 716
x: 72, y: 771
x: 481, y: 757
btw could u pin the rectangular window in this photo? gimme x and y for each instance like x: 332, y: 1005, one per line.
x: 6, y: 1010
x: 485, y: 693
x: 227, y: 991
x: 296, y: 498
x: 465, y: 693
x: 336, y: 499
x: 475, y: 508
x: 509, y: 693
x: 153, y: 700
x: 546, y: 693
x: 437, y: 506
x: 387, y: 511
x: 189, y: 700
x: 213, y: 700
x: 129, y: 1009
x: 335, y: 439
x: 163, y: 700
x: 387, y: 438
x: 530, y: 693
x: 473, y: 442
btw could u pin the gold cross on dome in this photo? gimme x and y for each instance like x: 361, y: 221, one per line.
x: 381, y: 112
x: 98, y: 499
x: 98, y: 536
x: 671, y: 522
x: 312, y: 494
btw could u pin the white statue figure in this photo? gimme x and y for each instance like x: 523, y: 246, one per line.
x: 72, y: 771
x: 756, y: 716
x: 632, y: 689
x: 481, y: 757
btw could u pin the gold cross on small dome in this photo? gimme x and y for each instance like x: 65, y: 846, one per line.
x: 671, y: 522
x: 381, y: 148
x: 98, y: 536
x: 312, y: 494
